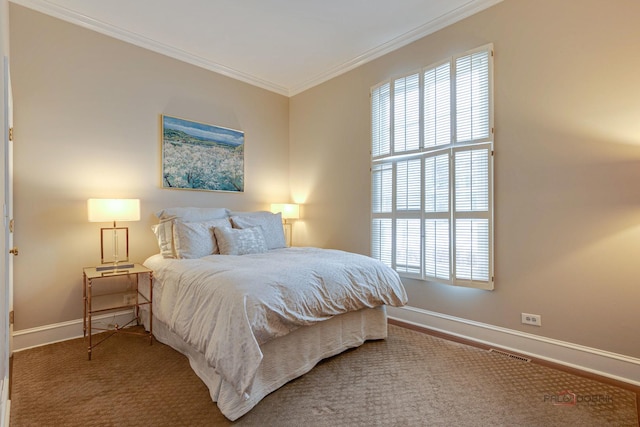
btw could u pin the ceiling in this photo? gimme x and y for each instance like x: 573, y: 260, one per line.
x: 285, y: 46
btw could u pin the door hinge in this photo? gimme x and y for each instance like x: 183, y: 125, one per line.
x: 11, y: 317
x: 10, y: 134
x: 11, y: 223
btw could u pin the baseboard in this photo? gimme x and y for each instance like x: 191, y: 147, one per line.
x: 611, y: 365
x: 49, y: 334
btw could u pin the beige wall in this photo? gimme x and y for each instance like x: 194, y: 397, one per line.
x: 567, y: 171
x: 87, y: 110
x: 4, y: 29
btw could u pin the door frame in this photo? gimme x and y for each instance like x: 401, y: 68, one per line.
x: 6, y: 281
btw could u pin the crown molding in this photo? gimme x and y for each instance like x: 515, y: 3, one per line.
x: 48, y: 8
x: 471, y: 8
x: 89, y: 23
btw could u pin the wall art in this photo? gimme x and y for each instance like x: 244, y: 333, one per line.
x: 198, y: 156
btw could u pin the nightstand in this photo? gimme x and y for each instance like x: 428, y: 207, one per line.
x: 115, y: 299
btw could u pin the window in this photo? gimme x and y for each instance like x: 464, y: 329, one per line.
x: 432, y: 171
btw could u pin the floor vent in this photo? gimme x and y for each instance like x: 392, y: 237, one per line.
x: 513, y: 356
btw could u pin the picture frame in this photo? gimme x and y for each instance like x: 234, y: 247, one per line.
x: 199, y: 156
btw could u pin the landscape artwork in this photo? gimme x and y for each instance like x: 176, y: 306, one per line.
x: 198, y: 156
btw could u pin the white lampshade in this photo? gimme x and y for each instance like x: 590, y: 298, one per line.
x: 111, y: 210
x: 288, y: 210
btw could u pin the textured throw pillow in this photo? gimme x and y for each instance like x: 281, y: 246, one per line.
x: 196, y: 239
x: 270, y: 223
x: 233, y: 241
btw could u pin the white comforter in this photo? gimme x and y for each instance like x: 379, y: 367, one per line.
x: 226, y: 306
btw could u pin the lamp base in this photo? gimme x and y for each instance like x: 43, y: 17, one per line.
x: 114, y: 267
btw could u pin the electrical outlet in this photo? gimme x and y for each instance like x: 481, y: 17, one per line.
x: 531, y: 319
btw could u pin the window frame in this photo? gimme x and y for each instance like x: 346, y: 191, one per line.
x: 391, y: 157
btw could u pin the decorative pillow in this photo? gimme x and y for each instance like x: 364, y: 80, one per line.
x: 270, y: 223
x: 164, y: 234
x: 193, y: 214
x: 196, y: 239
x: 234, y: 241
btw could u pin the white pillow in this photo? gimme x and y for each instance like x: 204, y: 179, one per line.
x: 240, y: 241
x: 196, y: 239
x: 164, y: 234
x: 193, y: 214
x: 270, y: 223
x: 168, y: 216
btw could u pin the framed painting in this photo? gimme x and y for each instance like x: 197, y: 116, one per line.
x: 198, y: 156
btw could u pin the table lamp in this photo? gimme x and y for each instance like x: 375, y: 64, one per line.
x: 289, y: 211
x: 112, y: 210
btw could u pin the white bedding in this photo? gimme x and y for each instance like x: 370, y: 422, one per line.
x: 228, y: 306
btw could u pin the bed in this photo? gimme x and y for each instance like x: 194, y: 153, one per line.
x: 252, y: 314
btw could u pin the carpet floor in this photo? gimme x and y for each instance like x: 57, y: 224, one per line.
x: 409, y: 379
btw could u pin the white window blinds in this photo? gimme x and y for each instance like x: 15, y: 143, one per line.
x: 432, y: 171
x: 437, y: 105
x: 381, y: 120
x: 472, y: 96
x: 406, y: 107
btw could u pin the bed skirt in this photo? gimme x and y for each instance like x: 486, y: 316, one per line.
x: 284, y: 358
